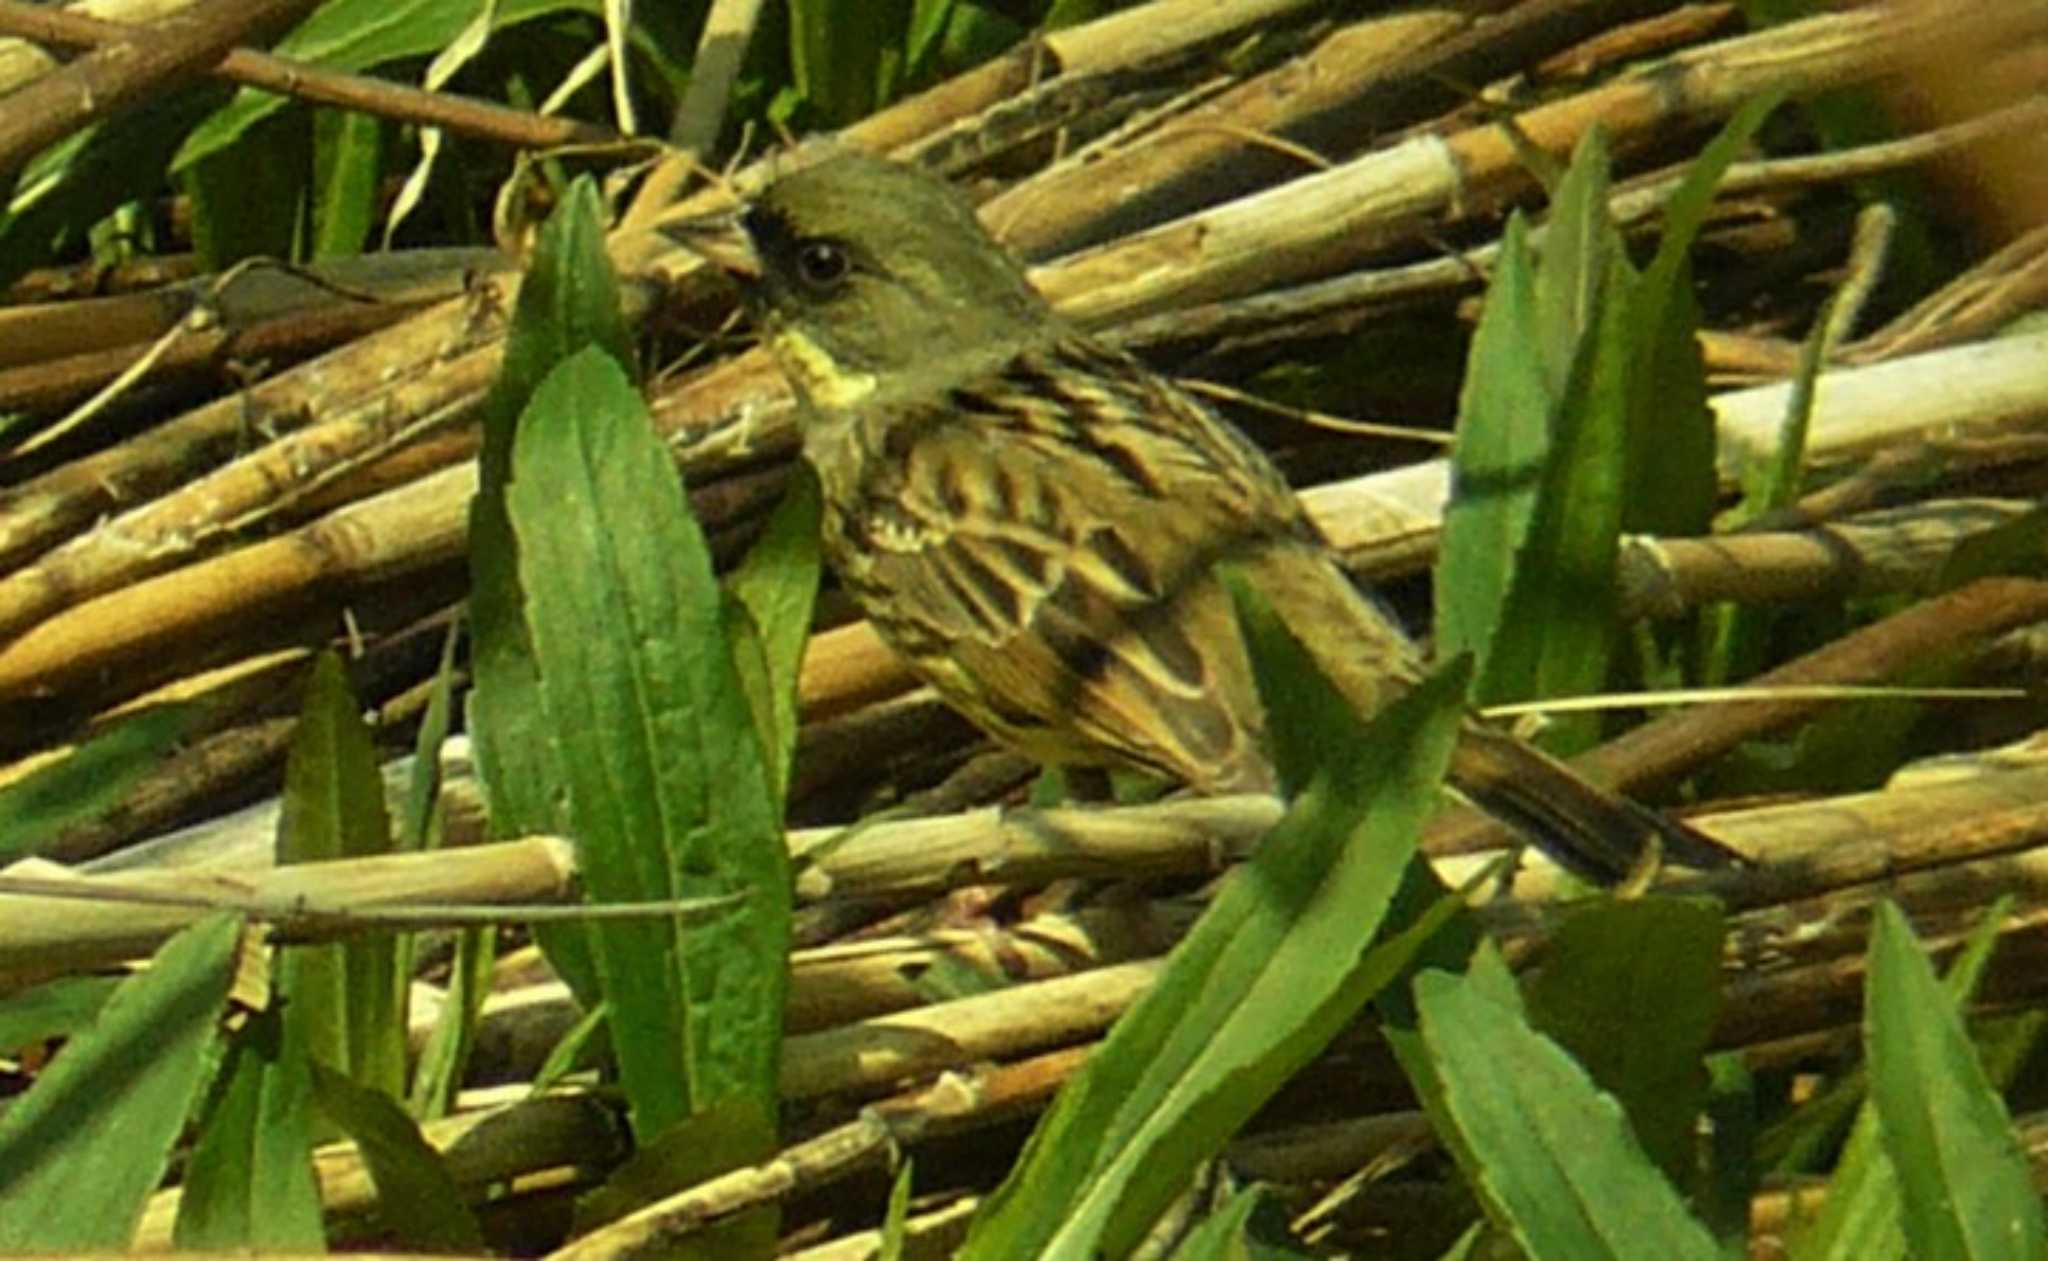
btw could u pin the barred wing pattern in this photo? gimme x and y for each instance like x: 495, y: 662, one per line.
x: 1039, y: 540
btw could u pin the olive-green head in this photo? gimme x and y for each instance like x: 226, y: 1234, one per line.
x: 868, y: 268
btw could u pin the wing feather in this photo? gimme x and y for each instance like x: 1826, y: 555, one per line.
x: 1018, y: 548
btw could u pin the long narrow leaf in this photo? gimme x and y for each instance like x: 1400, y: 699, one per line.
x: 40, y: 805
x: 1671, y: 428
x: 249, y: 1184
x: 82, y: 1150
x: 417, y: 1199
x: 670, y: 795
x: 1963, y: 1180
x: 777, y: 583
x: 1271, y: 971
x: 1555, y: 1157
x: 1504, y: 420
x: 351, y: 994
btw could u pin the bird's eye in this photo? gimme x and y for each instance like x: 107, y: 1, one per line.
x: 822, y: 264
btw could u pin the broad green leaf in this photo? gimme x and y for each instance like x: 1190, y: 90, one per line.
x: 1267, y: 976
x: 1632, y: 989
x: 569, y: 299
x: 417, y: 1198
x: 352, y: 993
x: 83, y: 1148
x: 1964, y: 1186
x: 733, y: 1132
x: 670, y: 794
x: 777, y: 583
x: 1555, y: 1159
x: 1505, y: 413
x: 249, y: 1184
x: 39, y: 806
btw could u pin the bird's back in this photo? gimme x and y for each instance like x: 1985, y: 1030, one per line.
x: 1039, y: 537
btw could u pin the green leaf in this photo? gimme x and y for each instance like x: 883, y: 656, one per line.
x: 353, y: 993
x: 41, y: 805
x: 54, y: 1009
x: 1228, y: 1235
x: 846, y: 60
x: 1505, y: 415
x: 670, y: 793
x: 355, y: 35
x: 249, y: 1184
x: 777, y: 584
x: 417, y: 1198
x: 417, y: 827
x: 1267, y: 976
x: 579, y: 1045
x: 1736, y: 634
x: 724, y: 1136
x: 82, y: 1150
x: 1672, y: 450
x: 1733, y: 1171
x: 569, y: 299
x: 1860, y: 1219
x: 445, y: 1058
x: 1632, y: 989
x: 1963, y: 1178
x: 928, y: 20
x: 1556, y: 1162
x: 348, y: 165
x: 2019, y: 546
x: 252, y: 201
x: 76, y: 183
x: 1579, y: 259
x: 896, y: 1220
x: 1560, y: 601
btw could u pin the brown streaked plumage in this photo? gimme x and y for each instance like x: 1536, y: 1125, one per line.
x: 1034, y: 519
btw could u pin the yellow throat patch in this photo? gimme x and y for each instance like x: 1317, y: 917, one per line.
x: 817, y: 373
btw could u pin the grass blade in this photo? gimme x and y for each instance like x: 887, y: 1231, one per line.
x: 1556, y: 1161
x: 82, y: 1150
x: 1277, y: 964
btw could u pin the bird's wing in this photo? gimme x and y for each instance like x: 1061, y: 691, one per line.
x: 1039, y: 538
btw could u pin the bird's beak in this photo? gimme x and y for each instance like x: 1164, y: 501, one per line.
x: 718, y: 239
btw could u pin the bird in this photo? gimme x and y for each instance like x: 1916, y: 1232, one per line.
x: 1034, y: 520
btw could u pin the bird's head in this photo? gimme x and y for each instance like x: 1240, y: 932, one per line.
x: 860, y: 269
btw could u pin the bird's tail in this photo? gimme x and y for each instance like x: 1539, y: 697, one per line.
x: 1589, y: 829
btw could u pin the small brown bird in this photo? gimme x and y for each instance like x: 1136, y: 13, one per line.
x: 1033, y: 519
